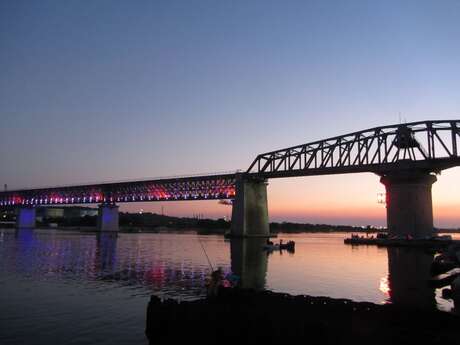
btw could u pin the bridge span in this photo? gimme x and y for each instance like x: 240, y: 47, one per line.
x: 406, y: 156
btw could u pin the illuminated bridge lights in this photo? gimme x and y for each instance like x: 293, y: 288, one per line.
x: 194, y: 188
x: 426, y: 146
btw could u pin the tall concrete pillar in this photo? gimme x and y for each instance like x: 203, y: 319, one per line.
x: 25, y: 217
x: 250, y: 210
x: 107, y: 219
x: 409, y: 204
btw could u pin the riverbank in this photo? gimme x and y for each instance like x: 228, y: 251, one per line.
x: 152, y: 222
x: 250, y: 317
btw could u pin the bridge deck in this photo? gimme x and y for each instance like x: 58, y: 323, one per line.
x: 426, y: 146
x: 204, y: 187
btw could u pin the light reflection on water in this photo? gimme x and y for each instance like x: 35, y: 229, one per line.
x: 81, y: 288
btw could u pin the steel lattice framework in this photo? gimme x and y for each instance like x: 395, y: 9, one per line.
x: 429, y: 146
x: 212, y: 187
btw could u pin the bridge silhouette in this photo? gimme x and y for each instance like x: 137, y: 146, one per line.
x: 405, y: 156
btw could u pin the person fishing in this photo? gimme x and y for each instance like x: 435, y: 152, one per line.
x: 216, y: 282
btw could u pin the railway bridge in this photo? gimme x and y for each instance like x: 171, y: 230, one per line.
x: 407, y: 157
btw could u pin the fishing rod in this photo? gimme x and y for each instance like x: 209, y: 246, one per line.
x: 207, y: 257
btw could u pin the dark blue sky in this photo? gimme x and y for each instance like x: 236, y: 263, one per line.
x: 109, y: 90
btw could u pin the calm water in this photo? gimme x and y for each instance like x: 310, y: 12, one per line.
x: 78, y: 288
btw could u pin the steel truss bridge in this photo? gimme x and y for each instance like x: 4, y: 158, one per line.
x: 428, y: 146
x: 206, y: 187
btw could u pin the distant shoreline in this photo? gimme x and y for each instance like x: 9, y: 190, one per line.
x: 154, y: 223
x: 204, y: 231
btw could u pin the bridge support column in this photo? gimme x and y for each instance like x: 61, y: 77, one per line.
x: 409, y: 204
x: 107, y: 219
x: 250, y: 211
x: 25, y: 217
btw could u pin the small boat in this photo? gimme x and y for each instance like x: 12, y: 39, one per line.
x: 289, y: 246
x: 271, y: 247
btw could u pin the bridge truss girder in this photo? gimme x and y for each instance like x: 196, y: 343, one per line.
x: 214, y: 187
x: 429, y: 146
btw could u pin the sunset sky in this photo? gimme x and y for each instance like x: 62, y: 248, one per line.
x: 95, y: 91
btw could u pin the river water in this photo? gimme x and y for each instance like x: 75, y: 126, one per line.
x: 69, y: 287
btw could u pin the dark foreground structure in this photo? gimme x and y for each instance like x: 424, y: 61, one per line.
x: 250, y: 317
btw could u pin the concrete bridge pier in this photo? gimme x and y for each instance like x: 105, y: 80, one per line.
x: 409, y: 204
x: 250, y: 210
x: 25, y: 218
x: 107, y: 219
